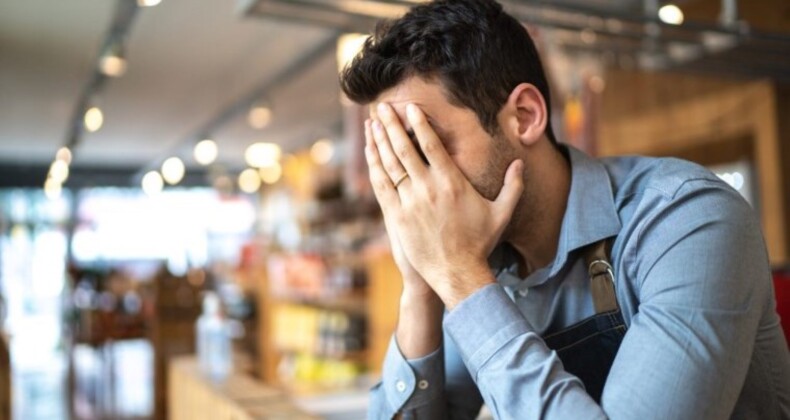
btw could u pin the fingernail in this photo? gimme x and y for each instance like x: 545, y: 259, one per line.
x: 377, y: 125
x: 382, y: 107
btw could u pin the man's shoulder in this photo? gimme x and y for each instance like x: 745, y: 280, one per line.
x: 637, y: 175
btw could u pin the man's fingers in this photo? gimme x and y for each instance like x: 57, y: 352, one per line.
x: 379, y: 179
x: 400, y: 141
x: 389, y: 161
x: 511, y: 191
x: 431, y: 145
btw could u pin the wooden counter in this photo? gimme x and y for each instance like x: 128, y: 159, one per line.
x: 191, y: 396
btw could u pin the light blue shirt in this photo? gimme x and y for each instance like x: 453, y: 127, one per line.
x: 693, y: 282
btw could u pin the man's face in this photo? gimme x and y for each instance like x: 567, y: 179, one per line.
x: 482, y: 159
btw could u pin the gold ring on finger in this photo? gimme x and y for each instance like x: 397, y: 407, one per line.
x: 401, y: 179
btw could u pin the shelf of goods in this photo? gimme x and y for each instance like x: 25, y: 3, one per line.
x: 324, y: 323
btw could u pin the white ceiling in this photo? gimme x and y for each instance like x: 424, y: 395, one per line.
x: 188, y: 60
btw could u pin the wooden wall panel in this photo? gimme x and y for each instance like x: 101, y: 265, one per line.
x: 672, y: 114
x: 764, y: 15
x: 636, y: 92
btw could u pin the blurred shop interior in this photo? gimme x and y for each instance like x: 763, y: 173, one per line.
x: 186, y: 226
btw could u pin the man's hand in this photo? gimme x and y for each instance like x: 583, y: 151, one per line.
x: 445, y: 227
x: 413, y: 283
x: 419, y: 330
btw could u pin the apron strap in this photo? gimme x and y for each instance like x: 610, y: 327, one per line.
x: 601, y: 277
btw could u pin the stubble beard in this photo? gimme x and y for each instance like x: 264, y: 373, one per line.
x: 490, y: 182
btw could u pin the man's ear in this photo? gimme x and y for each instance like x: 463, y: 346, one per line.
x: 524, y: 116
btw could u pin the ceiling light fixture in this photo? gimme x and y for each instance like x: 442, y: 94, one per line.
x: 94, y: 119
x: 271, y: 174
x: 206, y: 152
x: 152, y: 183
x: 59, y: 171
x: 670, y: 14
x: 249, y: 181
x: 260, y: 115
x: 173, y: 170
x: 113, y: 62
x: 64, y: 154
x: 148, y: 3
x: 259, y: 155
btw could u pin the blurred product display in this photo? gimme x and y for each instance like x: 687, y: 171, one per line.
x: 316, y: 305
x: 105, y: 306
x: 213, y: 341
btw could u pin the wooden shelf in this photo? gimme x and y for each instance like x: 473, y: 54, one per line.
x: 351, y: 302
x: 376, y: 302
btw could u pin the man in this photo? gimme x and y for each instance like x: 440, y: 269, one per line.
x: 538, y: 280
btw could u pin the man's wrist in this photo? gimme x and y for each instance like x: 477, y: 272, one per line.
x: 418, y: 297
x: 459, y: 284
x: 419, y: 330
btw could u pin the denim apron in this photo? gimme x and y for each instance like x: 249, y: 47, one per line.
x: 587, y: 348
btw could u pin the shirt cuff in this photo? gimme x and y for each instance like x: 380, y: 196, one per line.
x: 480, y: 332
x: 412, y: 383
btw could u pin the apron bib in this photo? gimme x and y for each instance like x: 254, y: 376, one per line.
x: 587, y: 348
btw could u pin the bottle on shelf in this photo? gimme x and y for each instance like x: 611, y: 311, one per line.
x: 213, y: 341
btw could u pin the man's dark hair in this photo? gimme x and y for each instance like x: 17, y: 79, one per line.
x: 478, y: 52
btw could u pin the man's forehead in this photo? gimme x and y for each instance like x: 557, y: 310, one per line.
x: 400, y: 110
x: 419, y: 91
x: 399, y: 106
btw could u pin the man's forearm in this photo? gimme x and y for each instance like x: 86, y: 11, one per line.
x: 419, y: 330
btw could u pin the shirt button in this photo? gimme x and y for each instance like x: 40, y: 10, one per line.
x: 523, y: 292
x: 400, y: 386
x: 423, y: 384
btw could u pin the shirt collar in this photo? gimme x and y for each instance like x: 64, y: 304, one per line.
x: 590, y: 215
